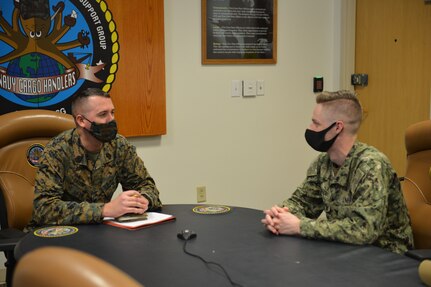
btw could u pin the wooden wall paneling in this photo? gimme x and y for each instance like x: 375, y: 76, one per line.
x: 393, y: 47
x: 139, y: 92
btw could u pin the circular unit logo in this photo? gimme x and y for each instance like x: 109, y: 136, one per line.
x: 34, y: 152
x: 55, y: 231
x: 52, y: 49
x: 211, y: 209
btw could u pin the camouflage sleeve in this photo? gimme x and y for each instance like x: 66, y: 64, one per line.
x: 49, y: 208
x: 306, y: 200
x: 134, y: 176
x: 360, y: 221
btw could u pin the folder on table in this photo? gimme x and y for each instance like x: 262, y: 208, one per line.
x: 151, y: 219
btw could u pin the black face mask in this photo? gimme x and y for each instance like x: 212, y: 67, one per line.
x: 317, y: 139
x: 103, y: 132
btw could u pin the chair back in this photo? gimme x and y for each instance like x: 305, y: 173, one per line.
x: 417, y: 182
x: 65, y: 267
x: 23, y: 135
x: 425, y: 272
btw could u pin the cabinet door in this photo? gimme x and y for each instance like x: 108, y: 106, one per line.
x: 138, y: 90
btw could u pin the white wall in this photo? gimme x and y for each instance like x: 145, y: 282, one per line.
x: 248, y: 152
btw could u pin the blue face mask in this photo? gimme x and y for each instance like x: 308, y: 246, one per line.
x: 103, y: 132
x: 317, y: 139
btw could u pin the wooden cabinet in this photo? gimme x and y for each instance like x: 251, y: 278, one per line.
x: 138, y: 90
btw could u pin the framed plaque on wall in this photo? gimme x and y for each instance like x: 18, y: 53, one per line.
x: 239, y: 31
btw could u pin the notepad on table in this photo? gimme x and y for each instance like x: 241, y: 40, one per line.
x: 152, y: 219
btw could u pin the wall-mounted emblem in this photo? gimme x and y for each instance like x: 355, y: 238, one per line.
x: 51, y: 49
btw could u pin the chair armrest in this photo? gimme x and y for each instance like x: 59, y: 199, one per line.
x: 419, y: 254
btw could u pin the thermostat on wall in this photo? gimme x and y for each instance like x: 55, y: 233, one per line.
x: 317, y: 84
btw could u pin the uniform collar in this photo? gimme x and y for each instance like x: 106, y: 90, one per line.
x: 79, y: 152
x: 341, y: 175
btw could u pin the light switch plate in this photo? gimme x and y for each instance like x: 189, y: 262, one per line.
x: 249, y: 89
x: 260, y: 87
x: 236, y: 88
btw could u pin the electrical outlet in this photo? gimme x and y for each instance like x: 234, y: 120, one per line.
x: 201, y: 192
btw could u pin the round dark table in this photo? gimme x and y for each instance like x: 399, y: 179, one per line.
x: 237, y: 240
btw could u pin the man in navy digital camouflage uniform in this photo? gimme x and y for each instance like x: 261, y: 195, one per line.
x: 353, y: 183
x: 81, y: 168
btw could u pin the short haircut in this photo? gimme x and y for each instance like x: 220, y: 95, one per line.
x: 342, y: 105
x: 79, y: 98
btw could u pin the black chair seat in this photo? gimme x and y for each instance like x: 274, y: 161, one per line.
x: 9, y: 237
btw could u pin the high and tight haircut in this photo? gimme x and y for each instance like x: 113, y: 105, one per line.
x: 344, y: 104
x: 78, y: 98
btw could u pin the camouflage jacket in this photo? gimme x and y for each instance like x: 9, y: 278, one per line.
x: 362, y: 201
x: 71, y: 188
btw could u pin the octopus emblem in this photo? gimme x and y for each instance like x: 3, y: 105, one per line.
x: 37, y: 35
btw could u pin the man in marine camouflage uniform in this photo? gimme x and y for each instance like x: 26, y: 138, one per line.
x: 353, y: 183
x: 81, y: 168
